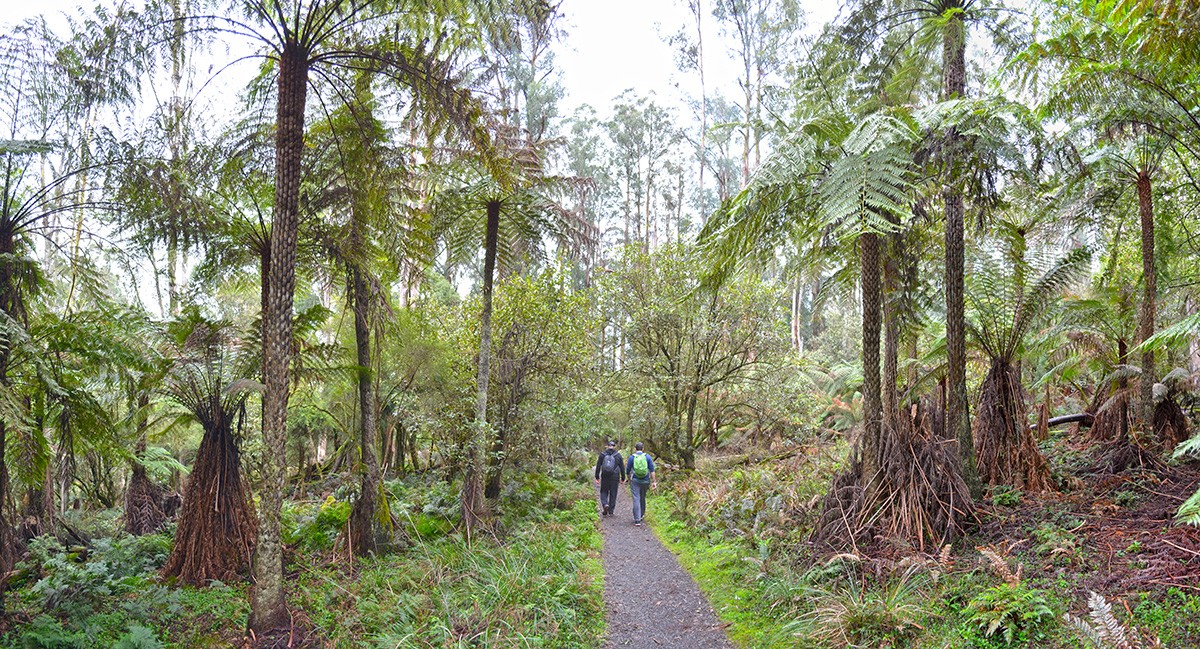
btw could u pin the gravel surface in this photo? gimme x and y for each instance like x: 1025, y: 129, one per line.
x: 651, y: 600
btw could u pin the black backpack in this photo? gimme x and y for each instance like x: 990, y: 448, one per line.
x: 609, y: 465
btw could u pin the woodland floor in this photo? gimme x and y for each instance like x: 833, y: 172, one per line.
x: 651, y: 601
x: 1120, y: 527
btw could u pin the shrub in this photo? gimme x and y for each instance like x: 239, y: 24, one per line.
x: 1011, y: 611
x: 76, y: 580
x: 1061, y: 545
x: 1005, y: 496
x: 853, y: 615
x: 315, y: 530
x: 45, y: 632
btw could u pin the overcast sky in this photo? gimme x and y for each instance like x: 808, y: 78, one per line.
x: 611, y: 45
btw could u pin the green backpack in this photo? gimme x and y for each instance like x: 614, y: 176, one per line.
x: 641, y: 466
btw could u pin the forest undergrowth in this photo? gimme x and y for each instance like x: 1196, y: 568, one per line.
x: 743, y: 530
x: 534, y: 581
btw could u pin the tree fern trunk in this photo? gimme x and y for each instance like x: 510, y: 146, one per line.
x: 6, y: 541
x: 1149, y: 293
x: 216, y: 523
x: 8, y: 303
x: 473, y: 504
x: 958, y: 422
x: 268, y: 606
x: 871, y: 317
x: 362, y: 526
x: 891, y: 328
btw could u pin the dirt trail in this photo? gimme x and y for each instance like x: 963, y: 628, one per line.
x: 651, y: 600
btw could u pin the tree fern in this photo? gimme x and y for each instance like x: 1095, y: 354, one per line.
x: 998, y: 324
x: 848, y: 186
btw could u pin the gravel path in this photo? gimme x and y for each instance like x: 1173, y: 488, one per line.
x: 651, y: 600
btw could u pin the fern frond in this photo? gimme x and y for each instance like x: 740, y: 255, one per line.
x: 1000, y: 565
x: 1189, y: 512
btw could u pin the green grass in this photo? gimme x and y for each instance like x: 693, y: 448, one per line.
x: 537, y: 583
x: 540, y: 587
x: 757, y: 606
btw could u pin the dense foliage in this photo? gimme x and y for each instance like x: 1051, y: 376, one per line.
x: 321, y: 351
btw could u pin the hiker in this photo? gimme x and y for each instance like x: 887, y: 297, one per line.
x: 610, y: 467
x: 641, y: 475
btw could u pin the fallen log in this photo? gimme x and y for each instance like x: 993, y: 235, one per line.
x: 1084, y: 419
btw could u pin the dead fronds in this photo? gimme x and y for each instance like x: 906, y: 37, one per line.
x: 1005, y: 448
x: 998, y: 562
x: 144, y: 513
x: 1111, y: 408
x: 918, y: 495
x: 1170, y: 424
x: 1104, y: 631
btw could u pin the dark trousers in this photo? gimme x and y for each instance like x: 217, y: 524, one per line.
x: 608, y: 491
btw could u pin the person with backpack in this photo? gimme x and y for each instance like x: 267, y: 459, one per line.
x: 641, y: 475
x: 609, y: 468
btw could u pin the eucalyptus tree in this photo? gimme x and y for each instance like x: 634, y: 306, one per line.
x: 765, y: 33
x: 520, y: 54
x: 643, y: 135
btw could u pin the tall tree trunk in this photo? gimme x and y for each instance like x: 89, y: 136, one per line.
x: 268, y: 605
x: 872, y: 302
x: 473, y: 504
x: 891, y: 329
x: 688, y: 452
x: 1191, y: 307
x: 1122, y: 384
x: 172, y: 263
x: 9, y: 302
x: 796, y: 302
x: 1149, y: 294
x: 495, y: 465
x: 7, y: 542
x: 362, y: 520
x: 958, y: 421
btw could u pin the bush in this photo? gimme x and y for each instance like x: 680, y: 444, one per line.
x: 1005, y: 496
x: 1059, y: 544
x: 95, y: 597
x: 315, y: 529
x: 1012, y: 612
x: 853, y: 615
x: 76, y: 579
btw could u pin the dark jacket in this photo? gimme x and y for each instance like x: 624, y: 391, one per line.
x: 600, y: 462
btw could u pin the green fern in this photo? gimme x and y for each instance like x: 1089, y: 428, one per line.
x: 998, y: 323
x: 1010, y: 612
